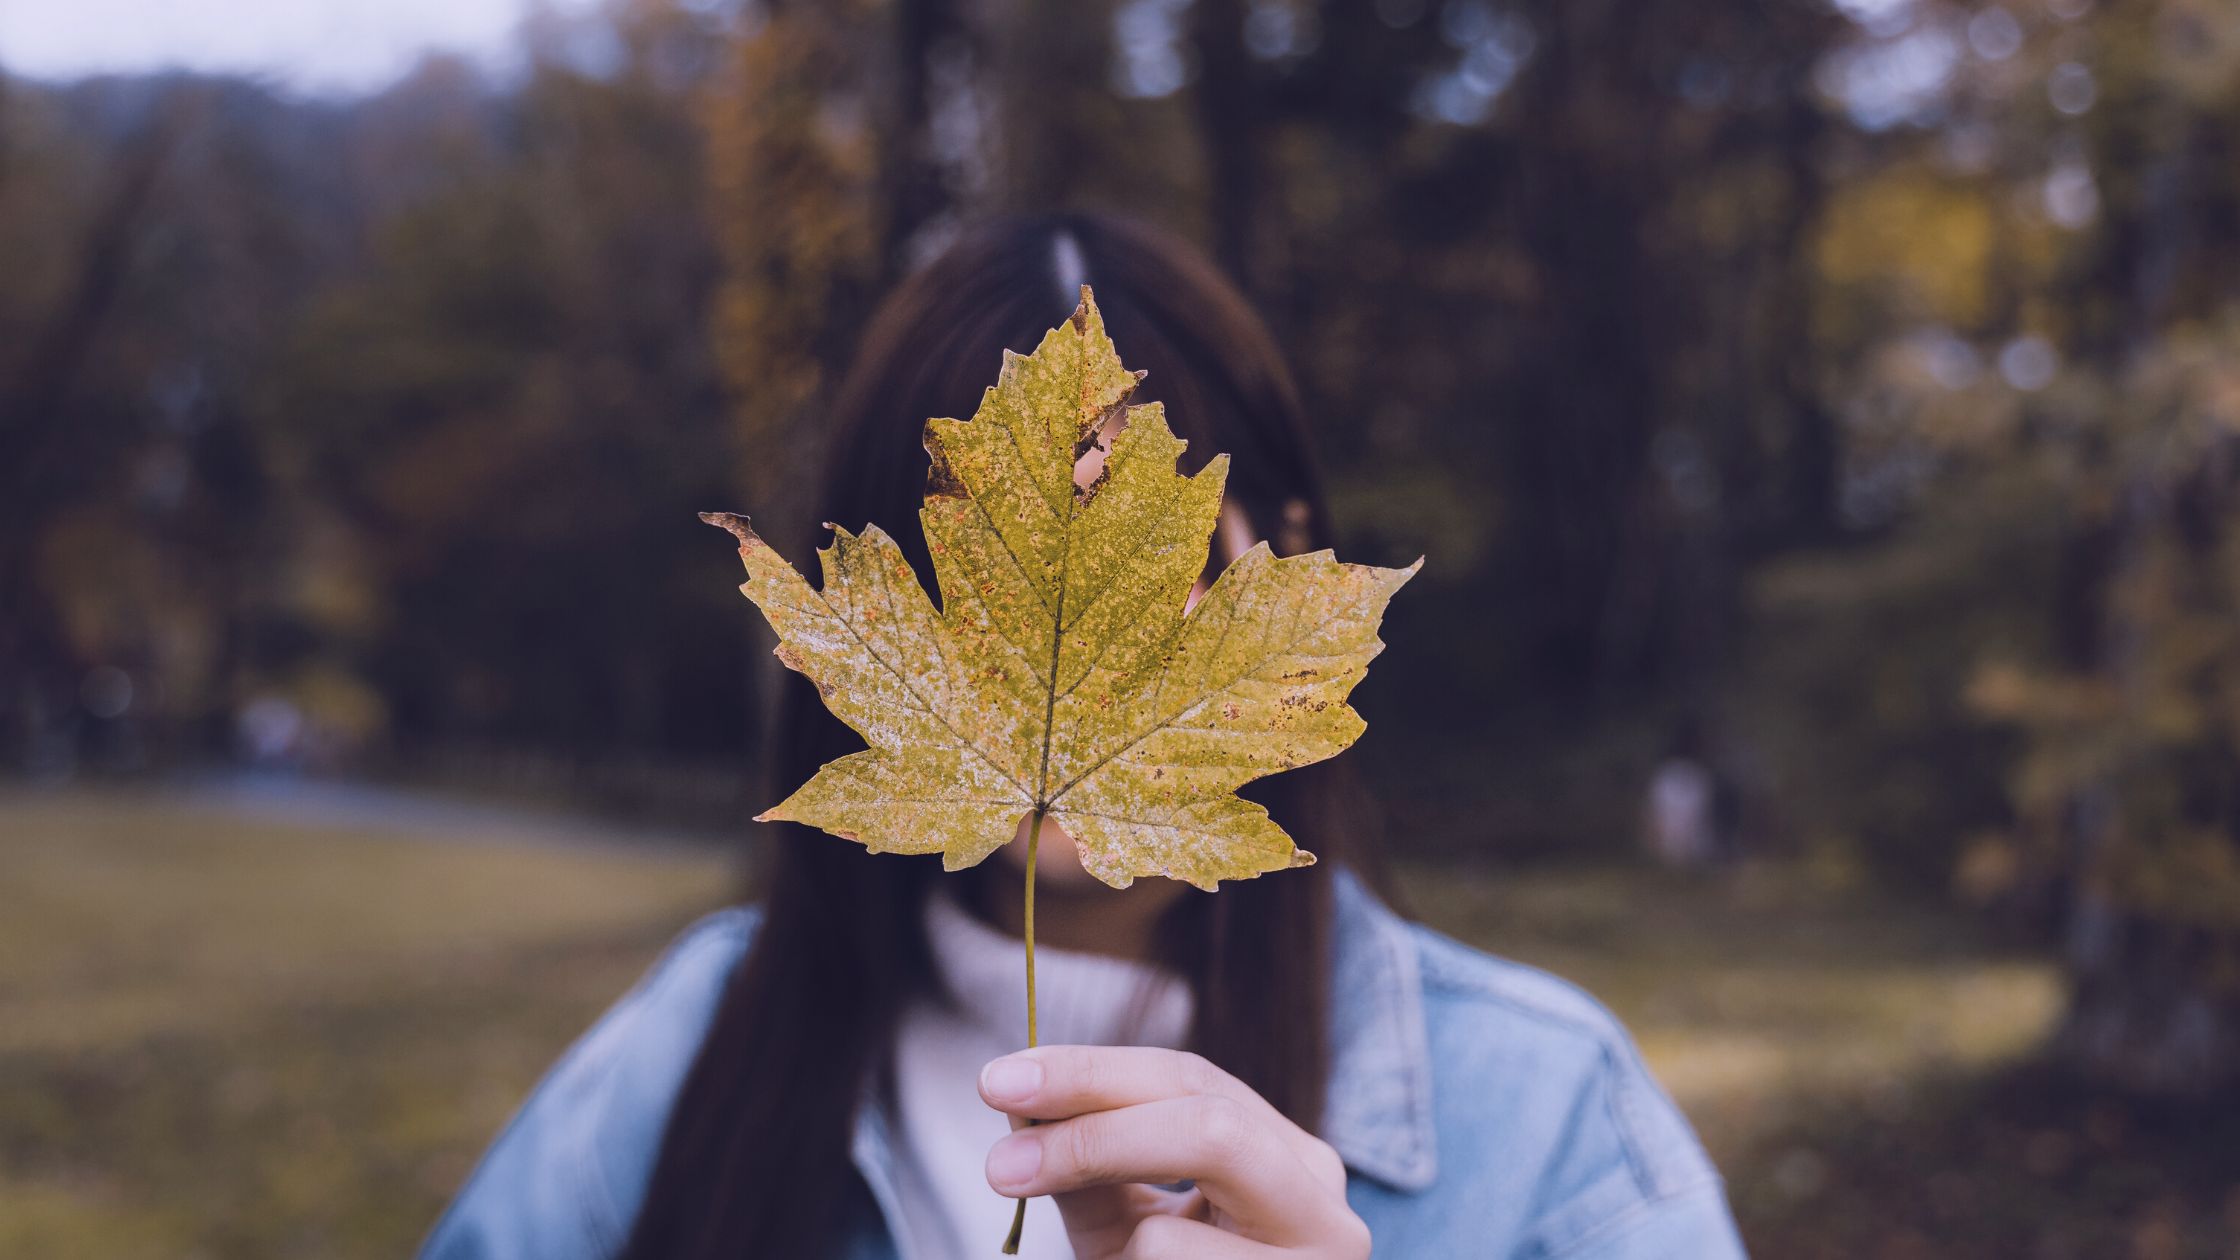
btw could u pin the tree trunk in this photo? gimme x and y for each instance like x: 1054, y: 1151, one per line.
x: 1230, y: 117
x: 2145, y: 1012
x: 2148, y: 1010
x: 39, y: 434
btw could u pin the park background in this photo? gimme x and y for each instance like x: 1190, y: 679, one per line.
x: 1837, y: 401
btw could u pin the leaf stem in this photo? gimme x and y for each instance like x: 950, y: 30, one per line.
x: 1034, y: 840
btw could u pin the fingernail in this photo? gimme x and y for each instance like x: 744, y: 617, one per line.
x: 1014, y: 1161
x: 1011, y: 1079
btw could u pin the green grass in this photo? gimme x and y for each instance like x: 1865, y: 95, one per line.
x: 1863, y: 1070
x: 1756, y: 988
x: 230, y: 1037
x: 224, y: 1034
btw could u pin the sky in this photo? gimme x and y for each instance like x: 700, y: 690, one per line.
x: 321, y: 46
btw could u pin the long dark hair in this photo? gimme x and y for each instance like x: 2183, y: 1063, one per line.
x: 756, y: 1161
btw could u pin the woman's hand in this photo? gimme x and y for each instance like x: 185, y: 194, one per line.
x: 1120, y: 1122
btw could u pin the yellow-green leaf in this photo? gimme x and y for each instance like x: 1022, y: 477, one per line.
x: 1062, y: 672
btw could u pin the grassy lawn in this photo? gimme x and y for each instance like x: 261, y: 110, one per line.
x: 231, y: 1033
x: 1862, y: 1069
x: 1749, y: 991
x: 231, y: 1036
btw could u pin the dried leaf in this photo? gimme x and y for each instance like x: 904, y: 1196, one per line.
x: 1061, y: 672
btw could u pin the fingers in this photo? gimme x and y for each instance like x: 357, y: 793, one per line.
x: 1178, y: 1238
x: 1100, y: 1219
x: 1239, y: 1158
x: 1058, y: 1082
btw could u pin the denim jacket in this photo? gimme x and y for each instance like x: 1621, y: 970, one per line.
x: 1483, y: 1109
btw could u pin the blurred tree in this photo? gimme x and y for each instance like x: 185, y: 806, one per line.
x: 795, y: 131
x: 130, y: 493
x: 1468, y: 219
x: 1547, y: 271
x: 2033, y: 279
x: 2129, y: 791
x: 56, y: 317
x: 841, y: 137
x: 511, y: 397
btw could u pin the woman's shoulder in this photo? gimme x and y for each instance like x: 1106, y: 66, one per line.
x: 1530, y: 1025
x: 693, y: 968
x: 565, y: 1177
x: 646, y: 1042
x: 631, y: 1063
x: 1529, y: 1067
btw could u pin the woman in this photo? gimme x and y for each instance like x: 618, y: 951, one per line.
x: 1285, y: 1068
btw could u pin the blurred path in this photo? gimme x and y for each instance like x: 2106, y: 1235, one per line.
x: 329, y: 803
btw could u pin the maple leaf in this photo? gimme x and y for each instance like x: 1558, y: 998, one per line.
x: 1062, y: 676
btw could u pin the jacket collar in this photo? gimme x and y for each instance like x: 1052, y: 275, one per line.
x: 872, y: 1149
x: 1377, y: 1111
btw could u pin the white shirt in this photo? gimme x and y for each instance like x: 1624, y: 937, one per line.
x: 944, y: 1130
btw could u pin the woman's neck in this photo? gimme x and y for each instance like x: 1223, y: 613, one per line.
x: 1119, y: 922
